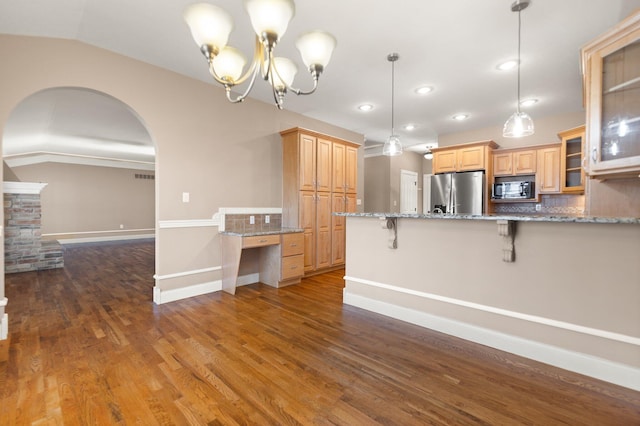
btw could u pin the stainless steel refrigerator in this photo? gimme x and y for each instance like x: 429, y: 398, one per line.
x: 458, y: 193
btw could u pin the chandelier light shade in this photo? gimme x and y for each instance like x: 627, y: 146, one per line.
x: 519, y: 124
x: 392, y: 146
x: 210, y: 28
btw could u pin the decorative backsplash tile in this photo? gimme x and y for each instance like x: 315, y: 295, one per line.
x: 242, y: 222
x: 549, y: 204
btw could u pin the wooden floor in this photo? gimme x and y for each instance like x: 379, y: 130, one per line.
x: 87, y: 346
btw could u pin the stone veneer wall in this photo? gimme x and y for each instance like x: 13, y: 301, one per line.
x: 24, y: 249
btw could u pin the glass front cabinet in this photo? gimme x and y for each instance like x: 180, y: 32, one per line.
x: 611, y: 67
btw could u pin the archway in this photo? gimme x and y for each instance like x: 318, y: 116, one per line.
x: 97, y: 158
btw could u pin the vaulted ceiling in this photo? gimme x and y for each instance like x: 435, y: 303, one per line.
x: 452, y: 46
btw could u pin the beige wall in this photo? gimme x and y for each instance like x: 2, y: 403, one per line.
x: 568, y: 274
x: 376, y: 184
x: 224, y: 155
x: 83, y: 201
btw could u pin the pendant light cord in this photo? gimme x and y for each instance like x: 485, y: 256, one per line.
x: 519, y: 26
x: 393, y: 65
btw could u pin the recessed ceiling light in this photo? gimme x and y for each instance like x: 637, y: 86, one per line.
x: 410, y: 127
x: 423, y: 90
x: 365, y: 107
x: 528, y: 102
x: 508, y: 65
x: 460, y: 117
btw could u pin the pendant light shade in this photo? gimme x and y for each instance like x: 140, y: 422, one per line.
x: 519, y: 124
x: 392, y: 146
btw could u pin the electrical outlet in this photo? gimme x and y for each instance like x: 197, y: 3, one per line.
x: 121, y: 226
x: 185, y: 197
x: 538, y: 207
x: 267, y: 219
x: 252, y: 220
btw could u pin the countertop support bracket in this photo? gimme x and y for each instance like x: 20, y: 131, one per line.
x: 507, y: 230
x: 391, y: 224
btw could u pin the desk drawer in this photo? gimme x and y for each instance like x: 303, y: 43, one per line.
x: 260, y: 240
x: 292, y: 244
x: 292, y: 266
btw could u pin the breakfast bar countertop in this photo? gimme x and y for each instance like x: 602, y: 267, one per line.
x: 512, y: 217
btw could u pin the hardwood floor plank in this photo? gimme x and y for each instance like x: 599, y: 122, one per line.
x: 88, y: 346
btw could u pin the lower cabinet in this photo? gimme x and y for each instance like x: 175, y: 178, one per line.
x: 292, y: 262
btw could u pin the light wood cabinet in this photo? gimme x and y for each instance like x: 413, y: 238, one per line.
x: 334, y: 182
x: 548, y: 170
x: 292, y: 264
x: 571, y: 158
x: 461, y: 158
x: 280, y: 258
x: 471, y: 158
x: 611, y: 71
x: 510, y: 163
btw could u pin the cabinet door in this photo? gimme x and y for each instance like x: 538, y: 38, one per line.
x: 323, y: 165
x: 307, y: 166
x: 339, y: 177
x: 323, y: 230
x: 471, y: 158
x: 524, y: 162
x: 351, y: 170
x: 307, y: 221
x: 502, y: 164
x: 444, y: 161
x: 612, y: 82
x: 548, y: 176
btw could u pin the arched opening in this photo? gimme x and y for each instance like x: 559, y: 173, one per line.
x: 97, y: 160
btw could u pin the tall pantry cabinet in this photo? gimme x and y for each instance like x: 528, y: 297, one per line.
x: 319, y: 178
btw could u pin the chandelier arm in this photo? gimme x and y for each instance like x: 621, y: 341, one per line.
x: 241, y: 98
x: 257, y: 53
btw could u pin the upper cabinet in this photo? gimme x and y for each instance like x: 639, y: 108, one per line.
x: 514, y: 162
x: 611, y: 67
x: 571, y: 154
x: 548, y: 170
x: 460, y: 158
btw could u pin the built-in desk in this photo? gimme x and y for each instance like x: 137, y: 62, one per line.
x: 281, y: 256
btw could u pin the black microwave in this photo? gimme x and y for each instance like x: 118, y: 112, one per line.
x: 513, y: 190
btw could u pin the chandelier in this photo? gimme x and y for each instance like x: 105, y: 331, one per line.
x: 211, y: 25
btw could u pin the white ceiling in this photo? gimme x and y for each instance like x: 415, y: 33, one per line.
x: 453, y: 46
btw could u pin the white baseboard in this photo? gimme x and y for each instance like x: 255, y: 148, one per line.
x: 104, y: 239
x: 4, y: 327
x: 165, y: 296
x: 619, y: 374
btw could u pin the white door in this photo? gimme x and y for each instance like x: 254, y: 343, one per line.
x: 408, y: 191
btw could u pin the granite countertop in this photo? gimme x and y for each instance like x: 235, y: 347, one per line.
x: 267, y: 232
x: 514, y: 217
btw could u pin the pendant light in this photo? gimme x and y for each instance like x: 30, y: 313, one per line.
x: 392, y: 146
x: 519, y: 124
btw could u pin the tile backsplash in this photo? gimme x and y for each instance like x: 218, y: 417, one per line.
x: 549, y: 204
x: 242, y: 222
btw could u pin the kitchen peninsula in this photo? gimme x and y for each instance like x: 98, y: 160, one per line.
x: 563, y: 290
